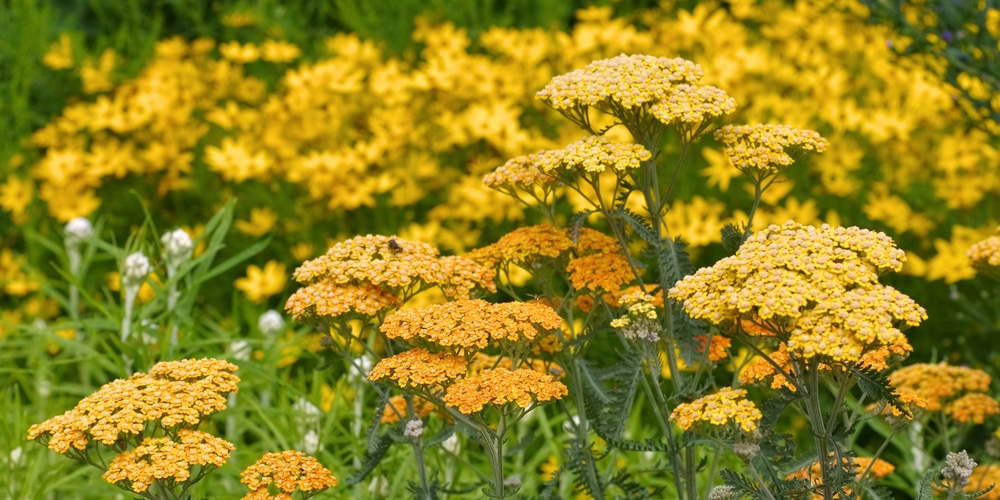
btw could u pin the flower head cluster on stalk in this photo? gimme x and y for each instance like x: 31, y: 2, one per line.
x: 958, y: 391
x: 288, y: 472
x: 149, y: 419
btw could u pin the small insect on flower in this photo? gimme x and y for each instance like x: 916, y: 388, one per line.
x: 394, y: 246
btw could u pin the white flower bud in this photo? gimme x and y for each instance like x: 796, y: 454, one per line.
x: 360, y: 368
x: 177, y: 248
x: 241, y: 350
x: 76, y: 231
x: 271, y: 323
x: 451, y: 445
x: 310, y: 443
x: 306, y: 414
x: 414, y: 428
x: 958, y: 468
x: 722, y: 493
x: 136, y: 268
x: 17, y: 456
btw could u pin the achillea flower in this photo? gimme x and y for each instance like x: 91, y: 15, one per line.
x: 419, y: 367
x: 396, y: 264
x: 640, y: 319
x: 760, y: 370
x: 817, y: 285
x: 689, y: 107
x: 592, y: 242
x: 910, y: 402
x: 626, y: 81
x: 466, y: 325
x: 600, y: 272
x: 982, y: 477
x: 328, y: 299
x: 593, y: 155
x: 716, y: 346
x: 858, y: 465
x: 972, y: 407
x: 519, y: 173
x: 764, y: 149
x: 173, y: 394
x: 724, y: 407
x: 288, y: 471
x: 481, y: 362
x: 167, y: 458
x: 500, y: 386
x: 936, y: 383
x: 525, y: 246
x: 985, y: 256
x: 395, y: 409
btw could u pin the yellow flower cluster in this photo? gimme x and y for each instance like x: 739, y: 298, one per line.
x: 396, y: 264
x: 288, y: 471
x: 327, y: 298
x: 687, y: 107
x: 879, y: 469
x: 759, y: 369
x: 167, y: 458
x: 525, y: 246
x: 172, y: 394
x: 765, y: 148
x: 985, y: 256
x: 725, y: 406
x: 625, y: 80
x: 13, y: 279
x: 910, y: 402
x: 957, y: 390
x: 640, y: 319
x: 817, y: 285
x: 419, y: 367
x: 466, y: 326
x: 500, y: 386
x: 593, y: 155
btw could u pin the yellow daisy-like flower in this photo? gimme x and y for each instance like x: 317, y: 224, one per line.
x: 259, y: 284
x: 724, y: 407
x: 764, y: 149
x: 278, y: 51
x: 500, y: 386
x: 167, y: 458
x: 288, y: 471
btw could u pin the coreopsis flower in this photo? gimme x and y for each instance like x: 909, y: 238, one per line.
x: 288, y: 471
x: 761, y: 150
x: 240, y: 54
x: 818, y: 286
x: 939, y: 383
x: 985, y: 256
x: 718, y: 409
x: 499, y: 386
x: 395, y: 264
x: 167, y: 459
x: 640, y: 319
x: 465, y: 326
x: 278, y: 51
x: 259, y: 284
x: 419, y: 367
x: 60, y: 54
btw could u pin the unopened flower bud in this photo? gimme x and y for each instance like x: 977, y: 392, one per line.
x: 271, y: 323
x: 451, y: 445
x: 958, y: 468
x: 414, y: 428
x: 136, y: 268
x: 177, y: 248
x: 241, y: 350
x: 76, y: 231
x: 746, y: 451
x: 310, y: 442
x: 722, y: 493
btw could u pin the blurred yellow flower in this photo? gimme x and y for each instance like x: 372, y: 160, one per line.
x: 60, y: 54
x: 262, y: 221
x: 259, y: 284
x: 15, y: 195
x: 278, y: 51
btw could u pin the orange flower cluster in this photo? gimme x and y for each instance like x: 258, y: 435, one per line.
x: 761, y: 149
x: 718, y: 409
x: 716, y: 347
x: 879, y: 469
x: 760, y: 369
x: 288, y: 471
x: 370, y: 274
x: 420, y: 368
x: 500, y: 386
x: 982, y: 477
x: 465, y: 326
x: 167, y: 458
x: 957, y: 390
x: 817, y: 285
x: 395, y: 409
x: 172, y: 394
x: 525, y: 246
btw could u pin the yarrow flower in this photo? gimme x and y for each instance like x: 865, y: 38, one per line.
x: 724, y: 407
x: 167, y: 458
x: 640, y: 319
x: 985, y: 256
x: 526, y: 246
x: 958, y: 468
x: 760, y: 150
x: 420, y: 368
x: 819, y: 286
x: 498, y: 387
x: 690, y: 107
x: 395, y: 409
x: 856, y: 465
x: 288, y: 471
x: 950, y: 388
x: 983, y: 477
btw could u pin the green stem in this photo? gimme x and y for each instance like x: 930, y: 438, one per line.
x: 818, y: 427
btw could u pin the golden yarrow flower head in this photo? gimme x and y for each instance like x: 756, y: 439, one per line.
x: 419, y: 367
x: 328, y: 299
x: 402, y: 266
x: 690, y: 107
x: 856, y: 465
x: 395, y: 409
x: 759, y: 150
x: 939, y: 383
x: 465, y: 326
x: 526, y: 246
x: 724, y: 407
x: 985, y: 256
x: 593, y: 155
x: 167, y: 458
x: 625, y: 80
x: 817, y: 285
x: 173, y: 393
x: 972, y: 407
x: 288, y: 471
x: 519, y: 173
x: 524, y: 387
